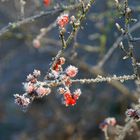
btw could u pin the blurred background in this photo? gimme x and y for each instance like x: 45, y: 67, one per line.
x: 48, y: 118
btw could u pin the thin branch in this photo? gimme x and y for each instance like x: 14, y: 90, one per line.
x: 73, y: 33
x: 115, y: 46
x: 16, y: 24
x: 99, y: 79
x: 95, y: 71
x: 105, y: 79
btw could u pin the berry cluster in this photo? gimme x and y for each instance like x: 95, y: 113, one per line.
x: 64, y: 77
x: 33, y: 89
x: 56, y: 77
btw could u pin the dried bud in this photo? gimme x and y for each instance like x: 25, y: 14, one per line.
x: 118, y: 26
x: 128, y: 10
x: 61, y: 90
x: 135, y: 114
x: 62, y: 31
x: 76, y: 24
x: 72, y: 19
x: 108, y: 121
x: 77, y: 94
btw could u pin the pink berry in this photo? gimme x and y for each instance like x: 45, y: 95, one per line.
x: 36, y: 43
x: 29, y: 87
x: 21, y: 100
x: 71, y: 71
x: 41, y: 91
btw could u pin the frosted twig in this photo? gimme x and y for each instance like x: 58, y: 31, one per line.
x: 73, y: 33
x: 106, y: 79
x: 99, y: 79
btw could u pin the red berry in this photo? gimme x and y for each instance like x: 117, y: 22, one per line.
x: 47, y: 2
x: 67, y: 95
x: 69, y: 100
x: 56, y: 67
x: 63, y: 20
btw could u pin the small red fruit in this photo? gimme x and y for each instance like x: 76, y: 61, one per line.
x: 63, y: 20
x: 47, y: 2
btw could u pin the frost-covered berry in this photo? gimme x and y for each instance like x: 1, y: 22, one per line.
x: 58, y: 66
x: 71, y: 71
x: 36, y: 73
x: 21, y: 100
x: 69, y: 100
x: 29, y: 87
x: 66, y: 80
x: 30, y: 77
x: 42, y: 91
x: 63, y: 20
x: 54, y: 74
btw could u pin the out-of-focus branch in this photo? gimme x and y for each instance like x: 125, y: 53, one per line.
x: 115, y: 46
x: 85, y: 47
x: 22, y: 9
x: 16, y: 24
